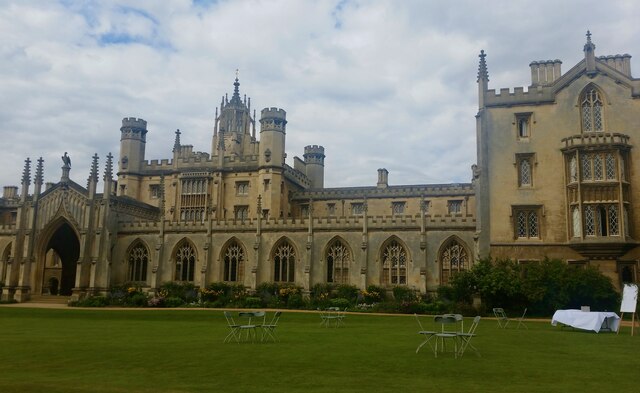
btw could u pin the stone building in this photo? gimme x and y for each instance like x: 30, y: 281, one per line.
x: 557, y: 165
x: 239, y: 214
x: 554, y: 178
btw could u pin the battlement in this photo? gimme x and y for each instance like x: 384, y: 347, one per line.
x: 314, y: 149
x: 275, y: 113
x: 134, y: 124
x: 292, y: 225
x: 314, y: 154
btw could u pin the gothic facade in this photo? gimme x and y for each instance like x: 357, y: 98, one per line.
x: 554, y: 178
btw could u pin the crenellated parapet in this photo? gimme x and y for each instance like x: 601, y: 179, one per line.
x: 133, y: 128
x: 314, y: 154
x: 427, y: 190
x: 273, y: 119
x: 346, y: 223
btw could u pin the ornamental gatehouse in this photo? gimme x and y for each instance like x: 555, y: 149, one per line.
x: 554, y: 178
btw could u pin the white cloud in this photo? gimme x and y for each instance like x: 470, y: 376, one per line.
x: 377, y: 83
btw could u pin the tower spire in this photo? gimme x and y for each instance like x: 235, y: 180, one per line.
x: 236, y: 89
x: 39, y: 172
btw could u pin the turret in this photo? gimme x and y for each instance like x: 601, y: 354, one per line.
x: 272, y: 137
x: 133, y: 138
x: 314, y: 160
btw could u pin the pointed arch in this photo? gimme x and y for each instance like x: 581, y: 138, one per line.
x: 453, y: 257
x: 284, y: 256
x: 6, y: 255
x: 138, y: 261
x: 395, y: 258
x: 60, y: 241
x: 591, y: 104
x: 233, y: 256
x: 338, y: 257
x: 185, y: 256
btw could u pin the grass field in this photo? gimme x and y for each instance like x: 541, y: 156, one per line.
x: 73, y: 350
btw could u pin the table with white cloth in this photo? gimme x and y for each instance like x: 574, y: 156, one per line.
x: 587, y: 320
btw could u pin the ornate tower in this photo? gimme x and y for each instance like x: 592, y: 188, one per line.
x: 235, y: 126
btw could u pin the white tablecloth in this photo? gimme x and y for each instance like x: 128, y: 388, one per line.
x: 587, y: 320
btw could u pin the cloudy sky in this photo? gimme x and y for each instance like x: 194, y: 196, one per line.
x: 380, y: 84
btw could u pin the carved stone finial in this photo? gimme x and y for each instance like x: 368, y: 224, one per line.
x: 483, y: 74
x: 176, y: 143
x: 39, y: 172
x: 93, y: 175
x: 589, y: 46
x: 108, y: 171
x: 26, y: 173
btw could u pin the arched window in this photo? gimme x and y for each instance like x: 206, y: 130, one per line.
x: 573, y: 169
x: 577, y: 224
x: 591, y: 107
x: 454, y: 259
x: 185, y: 258
x: 338, y: 260
x: 138, y: 261
x: 233, y: 262
x: 394, y: 264
x: 284, y: 262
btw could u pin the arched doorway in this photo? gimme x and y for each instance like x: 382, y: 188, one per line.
x: 61, y: 257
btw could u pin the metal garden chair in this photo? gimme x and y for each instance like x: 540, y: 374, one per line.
x: 465, y: 338
x: 445, y: 333
x: 233, y: 328
x: 428, y: 334
x: 501, y: 317
x: 521, y: 320
x: 269, y: 328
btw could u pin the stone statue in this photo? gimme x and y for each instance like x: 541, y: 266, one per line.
x: 66, y: 159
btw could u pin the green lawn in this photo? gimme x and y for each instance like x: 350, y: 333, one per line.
x: 73, y: 350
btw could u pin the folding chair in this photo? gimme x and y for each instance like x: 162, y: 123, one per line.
x: 340, y: 314
x: 521, y: 320
x: 428, y: 334
x: 501, y: 317
x: 269, y: 328
x: 444, y: 334
x: 465, y: 338
x: 233, y: 328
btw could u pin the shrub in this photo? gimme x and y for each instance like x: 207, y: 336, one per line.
x: 252, y: 302
x: 404, y: 294
x: 156, y: 302
x: 91, y: 301
x: 173, y: 302
x: 137, y: 300
x: 183, y: 290
x: 320, y: 295
x: 373, y: 294
x: 340, y: 302
x: 295, y: 301
x: 346, y: 291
